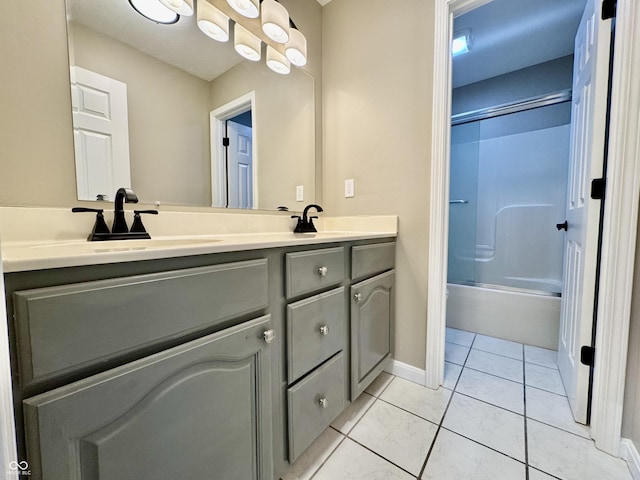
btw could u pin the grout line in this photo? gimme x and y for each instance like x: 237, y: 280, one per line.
x: 494, y: 375
x: 524, y: 395
x: 483, y: 445
x: 328, y: 456
x: 546, y: 473
x: 500, y: 355
x: 488, y: 403
x: 446, y: 409
x: 547, y: 391
x: 384, y: 458
x: 588, y: 439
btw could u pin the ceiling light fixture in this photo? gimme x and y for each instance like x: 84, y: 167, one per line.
x: 181, y: 7
x: 277, y: 62
x: 246, y: 43
x: 461, y: 43
x: 155, y: 11
x: 275, y: 21
x: 212, y: 21
x: 247, y: 8
x: 296, y: 48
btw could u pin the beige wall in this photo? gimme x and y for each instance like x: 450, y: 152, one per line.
x: 168, y: 113
x: 377, y: 87
x: 36, y: 141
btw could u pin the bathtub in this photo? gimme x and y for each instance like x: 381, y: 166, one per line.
x: 519, y: 315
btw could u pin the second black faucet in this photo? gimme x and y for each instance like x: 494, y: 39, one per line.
x: 305, y: 223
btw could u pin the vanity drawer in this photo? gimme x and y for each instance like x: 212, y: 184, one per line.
x: 315, y: 331
x: 314, y: 403
x: 370, y: 259
x: 66, y: 328
x: 313, y: 270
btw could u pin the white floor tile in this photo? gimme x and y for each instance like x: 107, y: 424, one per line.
x: 571, y: 457
x: 491, y: 426
x: 541, y: 356
x: 396, y: 435
x: 307, y: 463
x: 497, y: 365
x: 455, y: 457
x: 348, y: 419
x: 459, y: 337
x: 498, y: 346
x: 351, y: 461
x: 538, y: 475
x: 488, y: 388
x: 554, y: 410
x: 379, y: 384
x: 422, y: 401
x: 544, y: 378
x: 451, y: 374
x: 455, y: 353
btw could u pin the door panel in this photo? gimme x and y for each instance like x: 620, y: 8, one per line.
x: 590, y: 78
x: 240, y: 165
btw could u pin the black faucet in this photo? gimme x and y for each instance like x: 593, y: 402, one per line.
x: 119, y: 223
x: 305, y: 223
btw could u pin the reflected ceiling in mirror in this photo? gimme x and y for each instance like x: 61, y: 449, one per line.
x: 175, y: 77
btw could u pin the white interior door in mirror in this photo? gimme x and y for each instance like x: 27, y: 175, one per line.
x: 240, y: 168
x: 101, y: 134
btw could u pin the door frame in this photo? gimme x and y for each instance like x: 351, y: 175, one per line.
x: 217, y: 119
x: 618, y: 229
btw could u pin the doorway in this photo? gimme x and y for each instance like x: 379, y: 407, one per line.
x: 619, y: 230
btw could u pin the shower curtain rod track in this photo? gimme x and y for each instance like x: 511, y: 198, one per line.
x: 507, y: 108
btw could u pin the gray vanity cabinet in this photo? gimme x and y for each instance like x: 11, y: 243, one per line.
x: 372, y: 313
x: 200, y: 410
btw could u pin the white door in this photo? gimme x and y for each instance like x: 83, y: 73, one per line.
x: 239, y: 170
x: 101, y: 134
x: 588, y: 117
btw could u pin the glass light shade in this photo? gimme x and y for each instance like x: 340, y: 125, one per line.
x: 246, y: 43
x: 277, y: 61
x: 154, y: 11
x: 182, y: 7
x: 275, y: 21
x: 212, y: 21
x: 296, y: 48
x: 247, y: 8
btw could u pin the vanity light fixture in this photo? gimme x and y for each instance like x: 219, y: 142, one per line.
x: 275, y: 21
x: 277, y: 61
x: 246, y: 43
x: 155, y: 11
x: 461, y: 43
x: 247, y: 8
x: 181, y: 7
x: 212, y: 22
x: 296, y: 48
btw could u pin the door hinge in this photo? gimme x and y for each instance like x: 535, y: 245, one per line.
x: 225, y: 142
x: 597, y: 188
x: 587, y: 355
x: 608, y: 9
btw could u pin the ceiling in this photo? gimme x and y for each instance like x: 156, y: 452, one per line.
x: 512, y: 34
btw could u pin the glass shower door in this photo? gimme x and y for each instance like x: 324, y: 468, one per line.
x: 463, y: 202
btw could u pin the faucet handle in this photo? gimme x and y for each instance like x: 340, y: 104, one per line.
x: 137, y: 226
x: 100, y: 227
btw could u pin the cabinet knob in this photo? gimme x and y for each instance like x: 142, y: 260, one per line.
x: 269, y: 335
x: 322, y: 271
x: 358, y: 297
x: 323, y: 402
x: 324, y: 329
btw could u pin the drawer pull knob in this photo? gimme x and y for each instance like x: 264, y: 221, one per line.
x: 322, y: 271
x: 324, y: 329
x: 358, y: 297
x: 323, y: 402
x: 269, y: 335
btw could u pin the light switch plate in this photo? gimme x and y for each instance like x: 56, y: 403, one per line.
x: 299, y: 193
x: 349, y: 188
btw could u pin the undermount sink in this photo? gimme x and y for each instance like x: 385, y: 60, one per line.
x: 123, y: 245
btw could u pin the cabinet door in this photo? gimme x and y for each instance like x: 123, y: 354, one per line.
x: 371, y: 326
x: 200, y: 410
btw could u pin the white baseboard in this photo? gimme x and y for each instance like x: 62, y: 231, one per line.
x: 406, y: 371
x: 629, y: 454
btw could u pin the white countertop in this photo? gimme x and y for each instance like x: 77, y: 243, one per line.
x: 205, y: 233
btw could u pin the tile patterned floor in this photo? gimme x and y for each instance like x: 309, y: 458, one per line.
x: 501, y: 414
